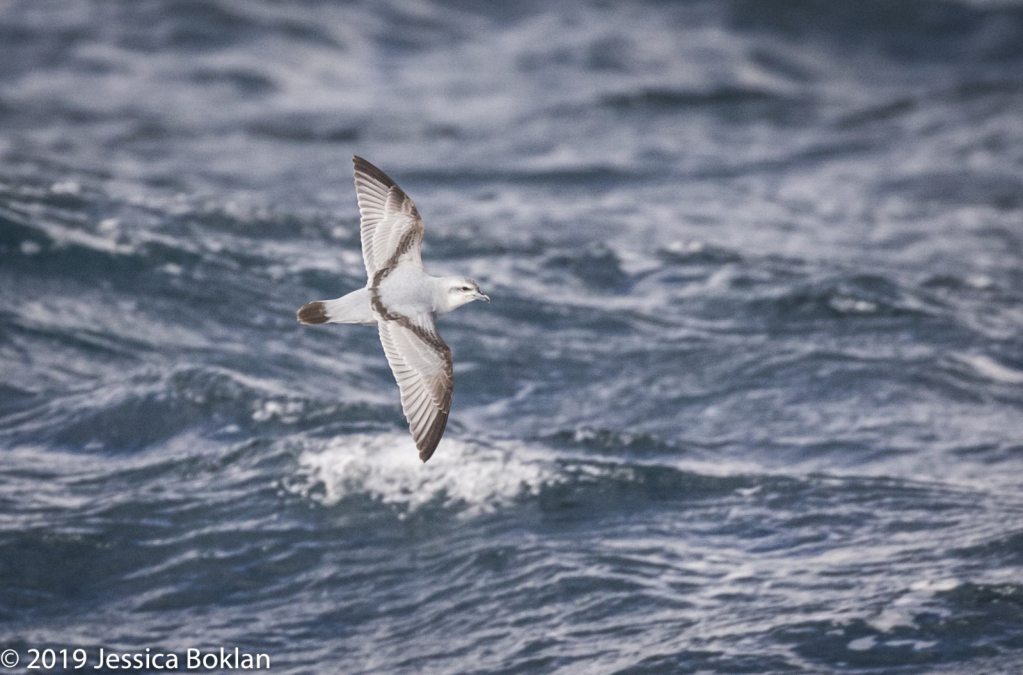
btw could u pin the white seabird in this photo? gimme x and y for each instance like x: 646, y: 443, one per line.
x: 401, y: 300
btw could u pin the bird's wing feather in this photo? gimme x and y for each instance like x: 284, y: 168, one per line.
x: 421, y: 363
x: 392, y: 230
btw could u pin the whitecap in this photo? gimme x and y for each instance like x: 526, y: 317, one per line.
x: 471, y: 476
x: 991, y: 369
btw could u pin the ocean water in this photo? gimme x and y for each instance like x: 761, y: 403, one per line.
x: 748, y: 398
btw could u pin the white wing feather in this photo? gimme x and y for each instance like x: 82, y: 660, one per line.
x: 422, y: 365
x: 390, y: 222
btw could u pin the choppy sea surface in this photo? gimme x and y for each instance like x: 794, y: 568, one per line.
x: 748, y: 398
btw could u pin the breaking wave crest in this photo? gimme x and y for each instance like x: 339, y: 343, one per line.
x: 469, y: 477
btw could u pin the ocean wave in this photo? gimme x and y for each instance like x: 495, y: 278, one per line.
x: 151, y: 408
x: 913, y: 30
x: 746, y: 397
x: 467, y: 477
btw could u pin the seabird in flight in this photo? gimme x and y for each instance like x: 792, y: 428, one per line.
x: 401, y: 300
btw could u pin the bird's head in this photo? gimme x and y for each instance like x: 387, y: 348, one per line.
x: 461, y: 291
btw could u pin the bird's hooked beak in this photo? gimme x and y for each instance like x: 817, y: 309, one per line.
x: 480, y: 296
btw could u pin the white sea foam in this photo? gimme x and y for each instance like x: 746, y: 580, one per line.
x: 920, y: 597
x: 991, y: 369
x: 478, y: 477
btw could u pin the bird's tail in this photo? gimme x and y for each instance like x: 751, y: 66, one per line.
x: 313, y: 313
x: 352, y: 308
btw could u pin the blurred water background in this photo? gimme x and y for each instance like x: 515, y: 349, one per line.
x: 747, y: 399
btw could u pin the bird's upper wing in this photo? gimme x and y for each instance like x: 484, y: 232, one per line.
x: 392, y: 230
x: 421, y: 363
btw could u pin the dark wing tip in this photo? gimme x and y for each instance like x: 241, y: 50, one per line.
x: 313, y: 313
x: 429, y: 443
x: 364, y: 167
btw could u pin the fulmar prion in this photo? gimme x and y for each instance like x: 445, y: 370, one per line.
x: 401, y: 299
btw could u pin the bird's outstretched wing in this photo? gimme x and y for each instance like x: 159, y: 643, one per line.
x: 421, y: 363
x: 392, y: 230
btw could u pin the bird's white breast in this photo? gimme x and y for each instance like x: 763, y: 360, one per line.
x: 408, y: 291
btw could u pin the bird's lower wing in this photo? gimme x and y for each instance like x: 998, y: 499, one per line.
x: 421, y: 363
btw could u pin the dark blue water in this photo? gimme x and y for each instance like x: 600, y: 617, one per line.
x: 748, y: 398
